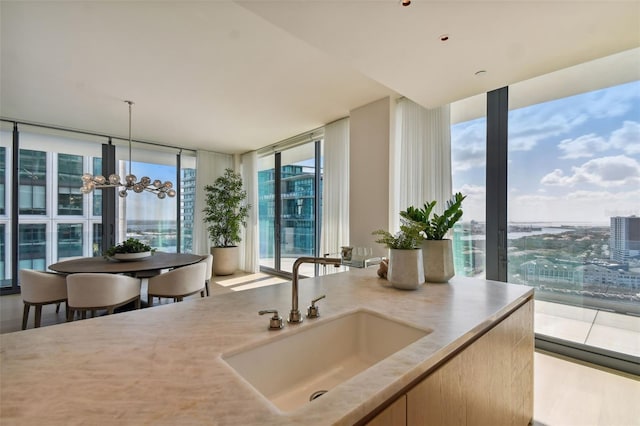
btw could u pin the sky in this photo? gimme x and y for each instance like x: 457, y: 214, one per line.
x: 147, y: 205
x: 572, y: 160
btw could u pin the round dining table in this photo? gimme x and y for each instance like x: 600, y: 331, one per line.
x: 145, y: 267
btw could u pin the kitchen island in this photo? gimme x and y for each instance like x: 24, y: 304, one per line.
x: 164, y: 365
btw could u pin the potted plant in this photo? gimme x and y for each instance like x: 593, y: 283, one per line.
x: 131, y: 249
x: 225, y: 213
x: 405, y: 269
x: 437, y: 251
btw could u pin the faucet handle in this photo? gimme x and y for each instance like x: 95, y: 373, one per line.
x: 275, y: 323
x: 313, y: 311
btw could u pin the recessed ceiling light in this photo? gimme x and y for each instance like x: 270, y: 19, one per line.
x: 444, y: 37
x: 405, y: 2
x: 480, y: 73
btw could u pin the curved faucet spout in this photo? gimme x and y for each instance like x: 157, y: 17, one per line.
x: 295, y: 316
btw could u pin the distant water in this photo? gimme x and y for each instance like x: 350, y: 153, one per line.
x: 521, y: 234
x: 541, y: 228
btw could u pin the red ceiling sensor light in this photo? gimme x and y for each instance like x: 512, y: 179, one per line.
x: 405, y: 2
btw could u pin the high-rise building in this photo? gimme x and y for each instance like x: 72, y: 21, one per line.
x: 297, y: 226
x: 625, y: 238
x: 187, y: 207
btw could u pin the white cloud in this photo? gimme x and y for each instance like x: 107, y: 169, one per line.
x: 579, y: 206
x: 472, y: 191
x: 584, y: 146
x: 613, y: 101
x: 528, y: 126
x: 474, y: 206
x: 618, y: 171
x: 468, y: 146
x: 627, y: 138
x: 556, y: 177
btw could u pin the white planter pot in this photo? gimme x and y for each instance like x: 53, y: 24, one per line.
x: 438, y: 260
x: 406, y: 269
x: 225, y: 260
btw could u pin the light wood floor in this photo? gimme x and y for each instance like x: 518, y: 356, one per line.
x: 567, y: 393
x: 572, y: 393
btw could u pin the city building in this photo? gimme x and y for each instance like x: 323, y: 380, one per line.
x: 625, y: 238
x: 298, y: 227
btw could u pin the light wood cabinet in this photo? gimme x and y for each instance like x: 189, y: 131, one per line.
x: 488, y: 383
x: 393, y: 415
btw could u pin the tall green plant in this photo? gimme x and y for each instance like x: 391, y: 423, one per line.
x: 226, y: 212
x: 436, y: 227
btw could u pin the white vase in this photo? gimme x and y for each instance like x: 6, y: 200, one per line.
x: 438, y: 260
x: 406, y: 270
x: 225, y: 260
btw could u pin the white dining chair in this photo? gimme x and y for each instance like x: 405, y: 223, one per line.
x: 93, y: 292
x: 209, y: 272
x: 178, y: 283
x: 40, y: 288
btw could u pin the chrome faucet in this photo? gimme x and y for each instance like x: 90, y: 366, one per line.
x: 295, y: 316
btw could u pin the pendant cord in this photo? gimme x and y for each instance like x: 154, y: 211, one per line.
x: 130, y: 103
x: 162, y: 190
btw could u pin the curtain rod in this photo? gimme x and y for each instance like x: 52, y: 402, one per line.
x: 86, y: 132
x: 292, y: 141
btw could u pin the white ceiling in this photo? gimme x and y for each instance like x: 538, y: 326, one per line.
x: 235, y: 76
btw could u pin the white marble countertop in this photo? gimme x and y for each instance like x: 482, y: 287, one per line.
x: 163, y: 365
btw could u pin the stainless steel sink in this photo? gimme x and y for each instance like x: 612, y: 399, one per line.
x: 289, y: 369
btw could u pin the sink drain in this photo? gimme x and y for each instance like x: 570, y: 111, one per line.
x: 317, y: 394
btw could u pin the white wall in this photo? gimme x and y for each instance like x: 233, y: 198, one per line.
x: 371, y: 129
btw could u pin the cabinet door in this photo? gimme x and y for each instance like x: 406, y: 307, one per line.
x: 489, y: 383
x: 440, y: 398
x: 393, y: 415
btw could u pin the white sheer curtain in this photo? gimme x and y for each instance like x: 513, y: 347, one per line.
x: 209, y: 165
x: 335, y: 189
x: 422, y: 169
x: 249, y: 261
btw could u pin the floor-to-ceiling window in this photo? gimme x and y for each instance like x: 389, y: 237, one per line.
x: 32, y: 175
x: 289, y: 183
x: 69, y: 196
x: 187, y: 201
x: 573, y: 209
x: 147, y: 217
x: 267, y: 212
x: 468, y: 169
x: 56, y: 221
x: 5, y: 207
x: 574, y: 179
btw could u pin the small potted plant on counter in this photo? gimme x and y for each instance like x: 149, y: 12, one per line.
x: 405, y: 270
x: 131, y: 249
x: 436, y: 249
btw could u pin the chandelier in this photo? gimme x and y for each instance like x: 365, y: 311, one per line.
x: 131, y: 183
